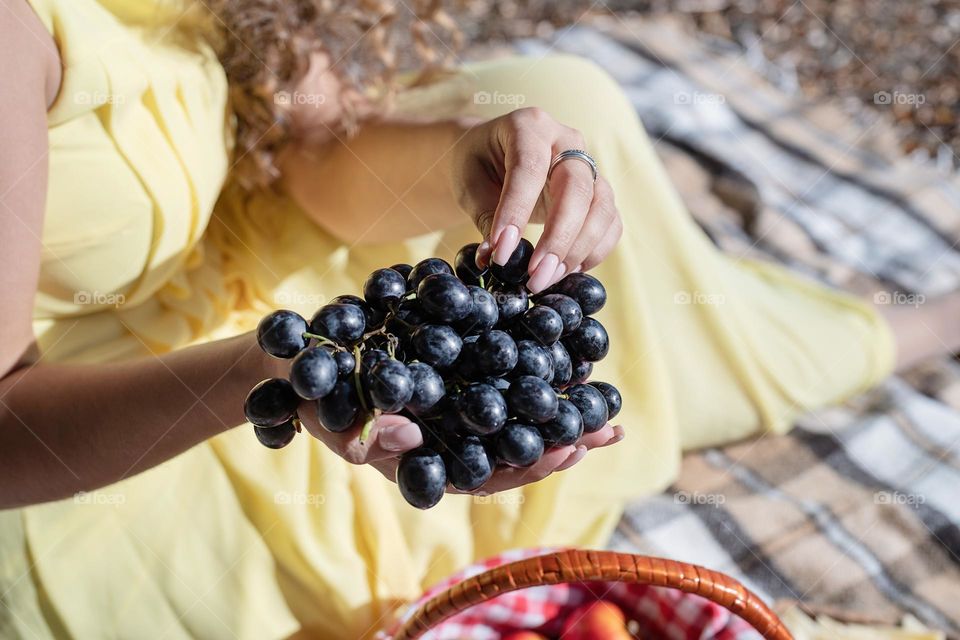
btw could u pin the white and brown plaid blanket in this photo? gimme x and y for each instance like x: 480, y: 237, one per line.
x: 855, y: 513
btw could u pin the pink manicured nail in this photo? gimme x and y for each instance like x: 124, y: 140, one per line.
x: 577, y: 269
x: 506, y: 243
x: 558, y: 274
x: 401, y: 437
x: 540, y: 279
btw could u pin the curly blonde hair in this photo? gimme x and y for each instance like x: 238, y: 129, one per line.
x: 265, y: 48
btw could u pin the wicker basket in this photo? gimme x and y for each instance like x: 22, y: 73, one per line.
x: 573, y: 566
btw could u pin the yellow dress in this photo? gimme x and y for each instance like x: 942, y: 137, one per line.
x: 233, y: 540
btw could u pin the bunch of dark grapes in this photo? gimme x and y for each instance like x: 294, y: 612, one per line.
x: 492, y: 375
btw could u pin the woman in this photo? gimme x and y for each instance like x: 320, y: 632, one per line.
x: 137, y: 264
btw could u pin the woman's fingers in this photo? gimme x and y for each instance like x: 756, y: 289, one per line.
x: 600, y: 220
x: 390, y: 436
x: 603, y: 248
x: 511, y: 478
x: 525, y: 138
x: 570, y: 193
x: 605, y: 436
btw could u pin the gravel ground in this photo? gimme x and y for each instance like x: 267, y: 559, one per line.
x: 896, y: 58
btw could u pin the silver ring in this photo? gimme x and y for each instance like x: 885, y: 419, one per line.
x: 576, y: 154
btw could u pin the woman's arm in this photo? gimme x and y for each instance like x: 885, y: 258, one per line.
x: 397, y: 180
x: 390, y: 182
x: 70, y: 428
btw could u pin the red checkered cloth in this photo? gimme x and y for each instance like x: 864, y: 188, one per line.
x: 661, y: 612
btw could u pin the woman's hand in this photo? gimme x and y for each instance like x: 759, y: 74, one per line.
x: 500, y: 178
x: 392, y: 435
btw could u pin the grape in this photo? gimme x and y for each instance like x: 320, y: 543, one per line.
x: 342, y: 323
x: 384, y: 288
x: 585, y: 289
x: 371, y: 358
x: 515, y: 269
x: 450, y: 424
x: 425, y: 268
x: 373, y: 317
x: 591, y: 404
x: 444, y: 297
x: 488, y: 377
x: 346, y: 363
x: 567, y: 307
x: 532, y: 399
x: 437, y: 344
x: 313, y: 373
x: 511, y: 302
x: 483, y: 316
x: 467, y: 366
x: 519, y: 445
x: 276, y: 437
x: 500, y: 384
x: 469, y: 464
x: 271, y: 403
x: 403, y: 269
x: 465, y: 265
x: 496, y: 353
x: 589, y: 342
x: 562, y: 365
x: 611, y: 395
x: 280, y: 334
x: 542, y: 324
x: 565, y: 428
x: 533, y: 360
x: 422, y: 477
x: 391, y: 385
x: 482, y: 409
x: 428, y: 388
x: 581, y: 372
x: 340, y: 409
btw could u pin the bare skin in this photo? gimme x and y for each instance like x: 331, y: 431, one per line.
x: 69, y: 428
x: 66, y: 428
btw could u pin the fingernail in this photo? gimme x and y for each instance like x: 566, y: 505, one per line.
x: 401, y: 437
x: 576, y: 269
x: 541, y: 277
x: 506, y: 244
x: 558, y: 274
x: 614, y: 440
x: 574, y: 458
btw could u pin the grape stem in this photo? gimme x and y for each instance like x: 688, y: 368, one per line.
x: 356, y: 381
x: 368, y: 425
x: 322, y: 340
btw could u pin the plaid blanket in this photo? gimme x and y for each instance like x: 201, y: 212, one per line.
x: 854, y: 513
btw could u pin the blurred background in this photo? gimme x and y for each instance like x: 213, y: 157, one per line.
x: 893, y: 59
